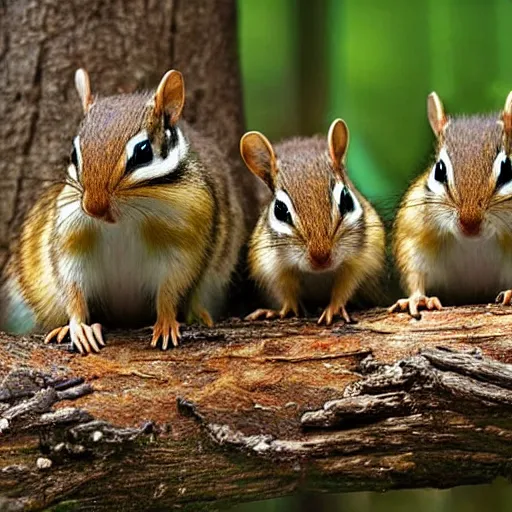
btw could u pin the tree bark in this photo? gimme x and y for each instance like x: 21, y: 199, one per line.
x: 252, y: 411
x: 125, y: 45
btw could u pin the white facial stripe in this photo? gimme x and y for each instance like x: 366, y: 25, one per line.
x: 72, y: 170
x: 76, y: 143
x: 158, y: 167
x: 277, y: 225
x: 505, y: 189
x: 352, y: 217
x: 435, y: 186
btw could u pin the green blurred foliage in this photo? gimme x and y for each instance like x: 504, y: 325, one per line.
x: 373, y: 63
x: 495, y: 497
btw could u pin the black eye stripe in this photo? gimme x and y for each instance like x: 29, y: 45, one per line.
x: 282, y: 213
x: 170, y: 137
x: 74, y: 157
x: 505, y: 174
x: 346, y: 202
x: 440, y: 173
x: 142, y: 155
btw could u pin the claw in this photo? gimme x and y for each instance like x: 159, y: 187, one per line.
x: 261, y: 313
x: 414, y: 303
x: 164, y: 329
x: 60, y: 332
x: 83, y: 337
x: 268, y: 314
x: 96, y: 329
x: 329, y: 313
x: 90, y: 338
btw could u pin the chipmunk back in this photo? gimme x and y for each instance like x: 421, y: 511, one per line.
x: 147, y: 225
x: 452, y: 233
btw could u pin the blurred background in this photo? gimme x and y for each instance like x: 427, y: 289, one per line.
x: 306, y: 62
x: 373, y: 63
x: 479, y: 498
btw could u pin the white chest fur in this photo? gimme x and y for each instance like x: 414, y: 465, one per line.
x: 469, y: 270
x: 118, y: 273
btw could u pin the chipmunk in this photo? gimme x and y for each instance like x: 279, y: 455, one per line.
x: 453, y: 230
x: 148, y: 221
x: 319, y: 239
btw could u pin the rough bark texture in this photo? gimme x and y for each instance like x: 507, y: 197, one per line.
x: 251, y: 411
x: 125, y: 45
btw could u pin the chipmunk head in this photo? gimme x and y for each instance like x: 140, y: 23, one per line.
x: 315, y: 216
x: 469, y: 188
x: 126, y: 144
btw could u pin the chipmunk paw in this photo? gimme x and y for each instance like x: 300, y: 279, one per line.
x: 331, y: 311
x: 85, y: 338
x: 414, y: 303
x: 267, y: 314
x: 163, y: 330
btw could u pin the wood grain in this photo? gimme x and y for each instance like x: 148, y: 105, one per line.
x: 251, y: 411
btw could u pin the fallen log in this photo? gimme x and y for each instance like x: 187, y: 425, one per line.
x: 247, y: 411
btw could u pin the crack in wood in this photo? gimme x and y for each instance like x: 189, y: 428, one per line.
x: 389, y: 397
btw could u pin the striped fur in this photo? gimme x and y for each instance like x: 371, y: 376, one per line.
x: 114, y: 237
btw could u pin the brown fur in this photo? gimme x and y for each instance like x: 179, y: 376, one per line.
x: 108, y: 125
x: 206, y: 195
x: 472, y: 144
x: 306, y: 172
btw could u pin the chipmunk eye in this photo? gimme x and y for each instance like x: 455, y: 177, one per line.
x: 346, y: 202
x: 440, y: 173
x: 142, y: 155
x: 281, y: 212
x: 505, y: 175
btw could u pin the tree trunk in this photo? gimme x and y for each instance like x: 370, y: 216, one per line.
x: 252, y: 411
x: 125, y: 45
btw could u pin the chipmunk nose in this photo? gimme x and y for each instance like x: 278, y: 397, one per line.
x: 320, y: 259
x: 97, y: 207
x: 470, y: 226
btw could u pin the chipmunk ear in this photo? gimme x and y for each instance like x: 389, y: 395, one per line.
x: 83, y: 88
x: 170, y: 96
x: 506, y: 115
x: 338, y: 138
x: 436, y: 115
x: 259, y: 157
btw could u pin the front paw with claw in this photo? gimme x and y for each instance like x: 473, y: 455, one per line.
x: 504, y: 298
x: 286, y: 310
x: 414, y: 303
x: 86, y: 338
x: 331, y: 311
x: 165, y: 329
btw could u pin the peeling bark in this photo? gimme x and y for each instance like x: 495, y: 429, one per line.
x: 252, y: 411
